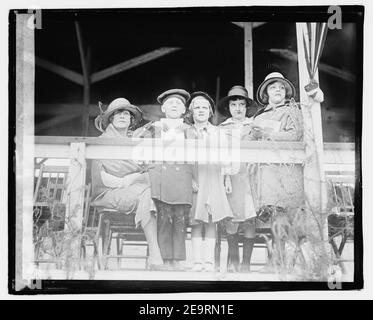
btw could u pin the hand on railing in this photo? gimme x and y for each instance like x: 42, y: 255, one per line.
x: 257, y: 132
x: 260, y: 133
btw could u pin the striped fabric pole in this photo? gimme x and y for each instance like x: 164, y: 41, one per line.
x: 314, y: 37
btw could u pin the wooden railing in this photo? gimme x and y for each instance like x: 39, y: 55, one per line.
x: 251, y: 151
x: 337, y: 156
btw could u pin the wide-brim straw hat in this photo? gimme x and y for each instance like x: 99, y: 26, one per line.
x: 204, y: 95
x: 270, y: 78
x: 180, y: 93
x: 102, y: 121
x: 237, y: 92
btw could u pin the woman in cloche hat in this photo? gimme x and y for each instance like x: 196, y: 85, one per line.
x: 280, y: 117
x: 104, y: 119
x: 124, y: 185
x: 281, y: 186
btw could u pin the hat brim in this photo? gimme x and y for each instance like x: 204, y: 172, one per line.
x: 264, y: 85
x: 173, y: 92
x: 204, y: 95
x: 135, y: 111
x: 223, y: 106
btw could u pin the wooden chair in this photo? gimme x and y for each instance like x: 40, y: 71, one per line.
x: 49, y: 192
x: 90, y: 232
x: 263, y: 231
x: 49, y: 207
x: 121, y: 227
x: 341, y: 220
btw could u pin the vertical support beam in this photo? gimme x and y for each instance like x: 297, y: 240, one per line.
x: 85, y: 59
x: 75, y: 186
x: 248, y: 45
x: 25, y: 79
x: 215, y: 118
x: 87, y: 92
x: 314, y: 177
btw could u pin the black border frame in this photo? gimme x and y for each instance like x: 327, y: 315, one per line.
x: 252, y: 13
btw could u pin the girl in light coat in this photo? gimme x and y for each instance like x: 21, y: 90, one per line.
x: 210, y: 203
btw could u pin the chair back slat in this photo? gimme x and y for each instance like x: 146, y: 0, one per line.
x: 55, y: 186
x: 350, y: 195
x: 87, y: 197
x: 37, y: 187
x: 52, y: 181
x: 342, y: 187
x: 63, y: 189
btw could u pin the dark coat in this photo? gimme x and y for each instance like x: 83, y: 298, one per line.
x: 170, y: 183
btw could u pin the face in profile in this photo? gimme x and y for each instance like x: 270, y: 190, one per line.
x: 121, y: 119
x: 237, y: 109
x: 173, y: 108
x: 201, y: 110
x: 276, y: 93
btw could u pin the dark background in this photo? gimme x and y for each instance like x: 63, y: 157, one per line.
x: 211, y: 48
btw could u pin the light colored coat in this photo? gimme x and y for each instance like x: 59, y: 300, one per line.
x: 134, y: 197
x: 241, y: 198
x: 290, y: 122
x: 210, y: 203
x: 279, y: 185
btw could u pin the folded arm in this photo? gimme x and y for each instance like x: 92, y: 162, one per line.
x: 112, y: 181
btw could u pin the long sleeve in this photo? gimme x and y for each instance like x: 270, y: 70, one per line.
x: 291, y: 131
x: 146, y: 131
x: 110, y: 181
x: 291, y: 124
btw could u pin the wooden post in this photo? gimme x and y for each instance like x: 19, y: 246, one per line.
x: 75, y: 186
x: 25, y: 79
x: 85, y: 59
x: 248, y: 45
x: 215, y: 119
x: 314, y: 177
x: 217, y: 97
x: 87, y: 92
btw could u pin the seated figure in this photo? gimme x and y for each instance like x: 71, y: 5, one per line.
x: 124, y: 185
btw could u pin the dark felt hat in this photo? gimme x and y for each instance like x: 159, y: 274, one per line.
x: 237, y: 92
x: 102, y: 121
x: 204, y: 95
